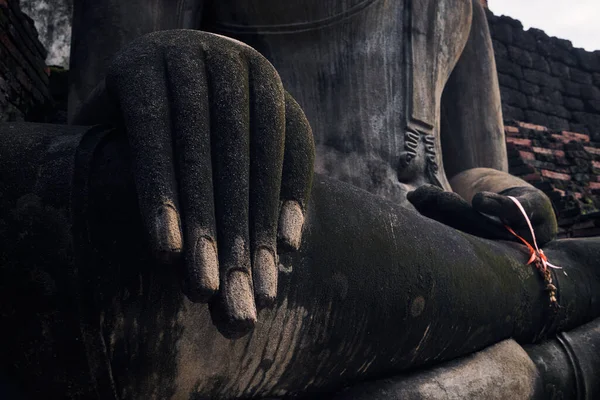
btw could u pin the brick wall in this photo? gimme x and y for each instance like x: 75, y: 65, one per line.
x: 545, y: 80
x: 24, y: 83
x: 566, y: 166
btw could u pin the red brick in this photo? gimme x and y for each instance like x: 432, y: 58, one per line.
x: 541, y: 150
x: 511, y: 131
x: 562, y: 192
x: 596, y: 164
x: 577, y: 195
x: 562, y: 138
x: 577, y: 136
x: 592, y: 150
x: 556, y: 175
x: 527, y: 155
x: 520, y: 142
x: 532, y: 126
x: 594, y: 185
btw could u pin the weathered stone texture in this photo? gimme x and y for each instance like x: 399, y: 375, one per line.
x: 24, y: 83
x: 563, y: 164
x: 561, y: 83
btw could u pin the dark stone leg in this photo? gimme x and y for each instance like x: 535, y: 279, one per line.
x: 374, y: 290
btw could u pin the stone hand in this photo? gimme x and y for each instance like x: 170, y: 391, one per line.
x: 451, y: 209
x: 223, y: 161
x: 536, y: 204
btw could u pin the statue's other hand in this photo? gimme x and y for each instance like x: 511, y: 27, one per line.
x: 535, y: 203
x: 452, y: 210
x: 222, y: 159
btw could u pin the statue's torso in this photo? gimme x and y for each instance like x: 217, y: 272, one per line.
x: 368, y: 73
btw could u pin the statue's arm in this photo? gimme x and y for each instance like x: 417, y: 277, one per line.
x: 473, y: 142
x: 102, y: 27
x: 471, y: 113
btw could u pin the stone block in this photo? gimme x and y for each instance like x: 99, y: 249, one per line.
x: 590, y: 92
x: 588, y: 60
x: 552, y: 152
x: 573, y: 104
x: 551, y: 94
x: 546, y: 107
x: 527, y: 155
x: 559, y: 69
x: 519, y: 142
x: 503, y: 33
x: 580, y: 76
x: 540, y: 63
x: 555, y: 175
x: 541, y: 79
x: 538, y: 34
x: 572, y: 89
x: 580, y: 137
x: 592, y: 106
x: 513, y: 97
x: 592, y: 150
x: 512, y: 113
x: 520, y: 56
x: 536, y: 117
x: 500, y: 50
x: 508, y: 81
x: 506, y: 66
x: 558, y: 123
x: 533, y: 127
x: 524, y: 40
x: 529, y: 88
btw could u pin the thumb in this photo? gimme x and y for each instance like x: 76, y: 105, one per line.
x: 498, y: 206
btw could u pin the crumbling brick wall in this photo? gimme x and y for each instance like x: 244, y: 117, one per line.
x: 566, y: 166
x: 545, y: 80
x: 24, y: 83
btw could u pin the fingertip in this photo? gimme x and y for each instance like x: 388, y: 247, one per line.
x: 234, y: 311
x: 198, y: 294
x: 265, y: 273
x: 202, y: 280
x: 167, y: 233
x: 291, y: 221
x: 423, y: 194
x: 487, y: 202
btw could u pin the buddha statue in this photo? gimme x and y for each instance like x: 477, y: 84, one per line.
x: 270, y: 199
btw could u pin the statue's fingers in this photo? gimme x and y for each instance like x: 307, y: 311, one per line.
x: 234, y: 309
x: 424, y: 198
x: 498, y: 206
x: 452, y: 210
x: 191, y: 122
x: 267, y: 133
x: 137, y: 81
x: 298, y: 167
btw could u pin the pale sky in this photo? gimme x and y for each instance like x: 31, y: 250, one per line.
x: 574, y: 20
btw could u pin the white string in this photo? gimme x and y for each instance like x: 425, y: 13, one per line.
x: 544, y: 262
